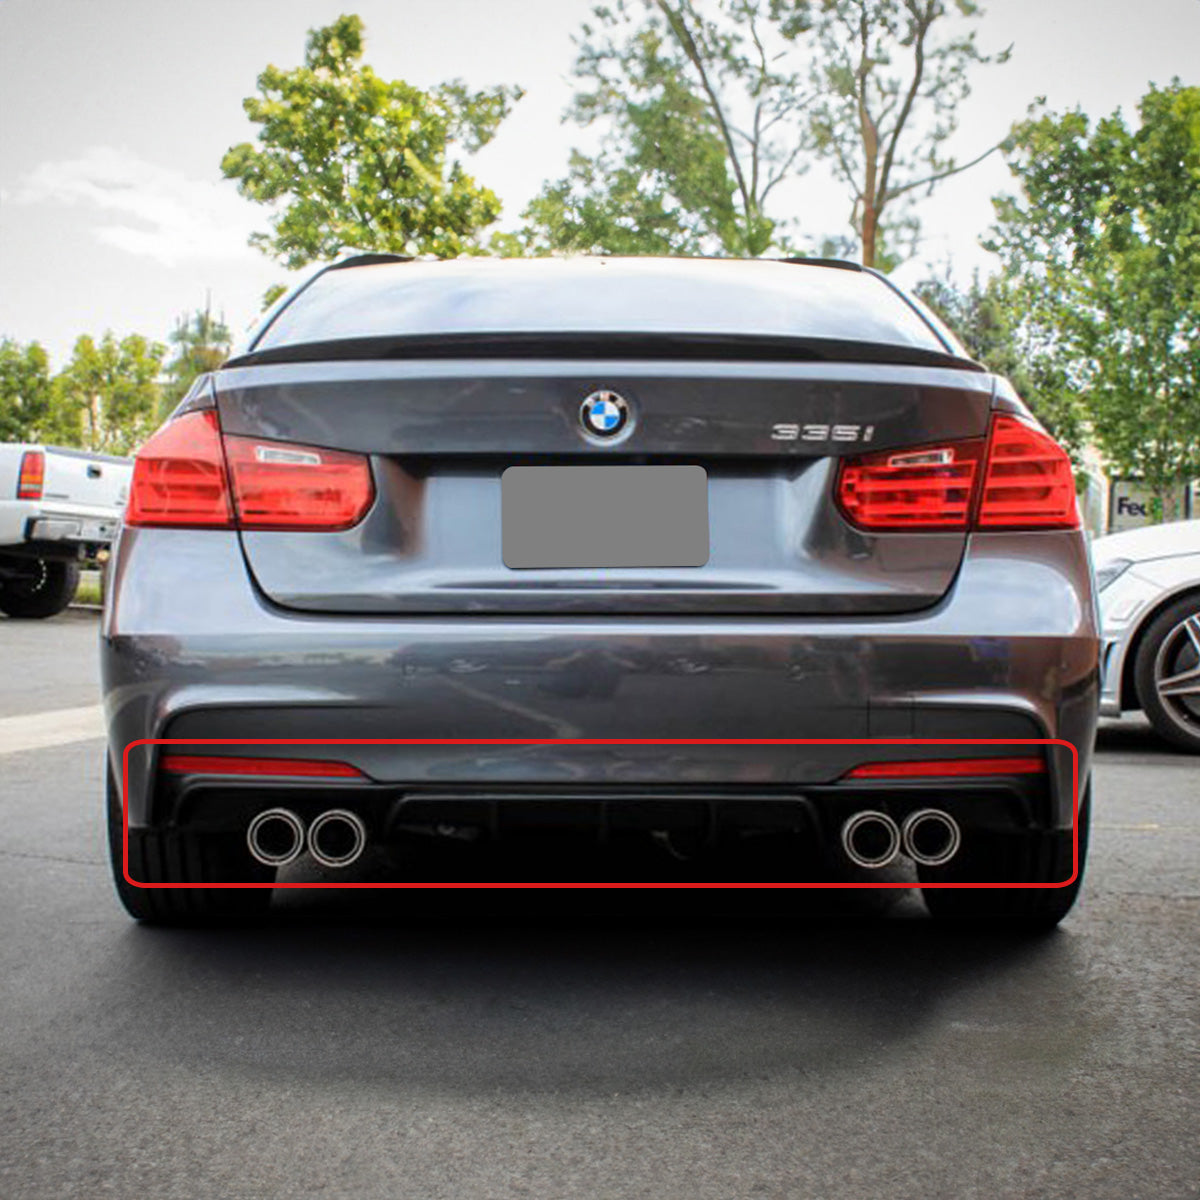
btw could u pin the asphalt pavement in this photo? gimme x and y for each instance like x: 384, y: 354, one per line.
x: 414, y: 1044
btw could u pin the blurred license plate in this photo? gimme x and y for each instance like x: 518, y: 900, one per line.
x: 605, y: 516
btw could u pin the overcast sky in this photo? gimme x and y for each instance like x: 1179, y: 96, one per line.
x: 114, y: 116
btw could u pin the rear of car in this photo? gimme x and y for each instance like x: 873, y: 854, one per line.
x: 698, y: 550
x: 58, y: 509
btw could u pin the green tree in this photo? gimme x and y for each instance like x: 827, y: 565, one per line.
x: 699, y: 110
x: 350, y: 159
x: 889, y: 76
x: 108, y: 395
x: 989, y: 319
x: 273, y: 293
x: 710, y: 104
x: 202, y: 344
x: 26, y: 391
x: 1105, y: 242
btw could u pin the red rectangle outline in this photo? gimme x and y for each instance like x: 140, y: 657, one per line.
x: 602, y: 742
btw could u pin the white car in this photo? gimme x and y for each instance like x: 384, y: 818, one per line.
x: 1149, y: 587
x: 58, y: 508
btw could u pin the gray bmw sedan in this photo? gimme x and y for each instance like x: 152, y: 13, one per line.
x: 686, y: 554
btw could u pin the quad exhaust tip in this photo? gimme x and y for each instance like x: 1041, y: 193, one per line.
x: 337, y: 838
x: 276, y: 837
x: 931, y: 837
x: 871, y: 839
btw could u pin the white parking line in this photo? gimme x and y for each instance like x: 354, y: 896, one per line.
x: 37, y: 731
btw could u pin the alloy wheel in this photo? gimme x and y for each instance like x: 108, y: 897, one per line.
x: 1177, y: 672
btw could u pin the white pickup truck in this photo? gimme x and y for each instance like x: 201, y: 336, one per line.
x: 58, y: 508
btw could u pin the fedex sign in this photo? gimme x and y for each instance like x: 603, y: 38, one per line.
x: 1130, y: 505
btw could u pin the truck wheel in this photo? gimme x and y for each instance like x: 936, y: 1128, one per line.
x: 1027, y: 858
x: 45, y: 591
x: 1167, y: 673
x: 174, y: 856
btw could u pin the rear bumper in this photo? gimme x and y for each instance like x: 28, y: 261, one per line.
x: 56, y: 527
x: 436, y: 830
x: 23, y: 521
x: 190, y: 649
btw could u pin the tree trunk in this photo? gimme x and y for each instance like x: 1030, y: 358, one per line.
x: 870, y: 225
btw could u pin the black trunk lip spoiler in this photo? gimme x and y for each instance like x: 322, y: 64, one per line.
x: 566, y: 345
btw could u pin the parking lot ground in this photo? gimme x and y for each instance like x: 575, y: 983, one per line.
x: 590, y: 1044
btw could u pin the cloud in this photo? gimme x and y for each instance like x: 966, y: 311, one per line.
x: 160, y: 213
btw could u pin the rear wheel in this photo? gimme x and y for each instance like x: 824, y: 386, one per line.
x: 1023, y: 858
x: 43, y: 588
x: 1167, y: 673
x: 175, y: 856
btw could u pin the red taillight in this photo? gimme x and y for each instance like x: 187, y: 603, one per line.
x: 203, y: 764
x: 1029, y: 481
x: 187, y: 475
x: 179, y: 476
x: 1020, y: 478
x: 278, y: 485
x: 33, y: 475
x: 928, y: 487
x: 929, y: 768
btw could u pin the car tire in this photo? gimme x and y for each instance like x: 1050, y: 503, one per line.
x: 175, y: 856
x: 44, y: 592
x: 1170, y: 647
x: 1020, y: 858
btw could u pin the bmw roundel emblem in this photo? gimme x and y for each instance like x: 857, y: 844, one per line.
x: 604, y: 414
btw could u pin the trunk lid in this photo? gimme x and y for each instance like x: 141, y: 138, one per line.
x: 442, y: 431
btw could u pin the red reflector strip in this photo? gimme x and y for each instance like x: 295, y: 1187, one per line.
x: 33, y: 475
x: 946, y: 767
x: 204, y: 764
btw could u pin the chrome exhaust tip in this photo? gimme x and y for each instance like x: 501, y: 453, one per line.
x: 931, y: 837
x: 871, y: 839
x: 337, y: 838
x: 276, y: 837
